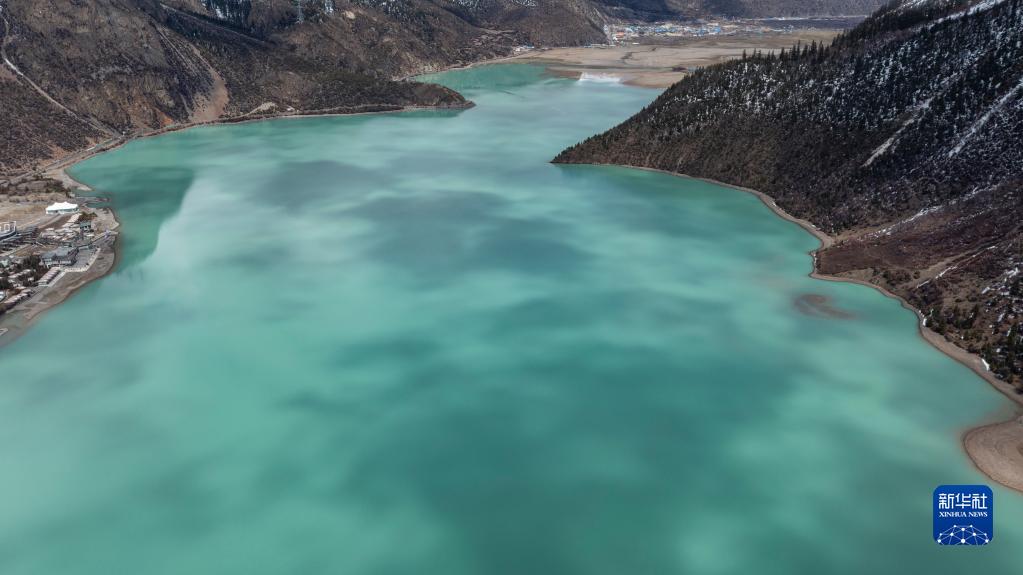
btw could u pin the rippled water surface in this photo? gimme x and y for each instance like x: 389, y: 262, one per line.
x: 406, y: 344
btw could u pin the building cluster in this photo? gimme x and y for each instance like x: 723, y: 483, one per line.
x: 620, y: 33
x: 74, y: 229
x: 34, y: 257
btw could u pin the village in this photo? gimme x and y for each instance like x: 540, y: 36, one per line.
x: 46, y: 244
x: 636, y: 32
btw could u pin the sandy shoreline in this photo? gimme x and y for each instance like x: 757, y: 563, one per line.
x: 996, y: 449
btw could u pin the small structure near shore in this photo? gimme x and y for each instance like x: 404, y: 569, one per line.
x: 50, y: 276
x: 62, y: 208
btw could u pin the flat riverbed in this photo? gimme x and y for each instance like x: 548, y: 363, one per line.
x: 659, y: 65
x: 409, y: 344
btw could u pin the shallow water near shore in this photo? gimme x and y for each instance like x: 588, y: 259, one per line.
x: 408, y: 344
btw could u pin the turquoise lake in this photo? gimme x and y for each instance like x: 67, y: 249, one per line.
x: 407, y: 344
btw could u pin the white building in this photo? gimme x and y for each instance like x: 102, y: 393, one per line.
x: 62, y: 208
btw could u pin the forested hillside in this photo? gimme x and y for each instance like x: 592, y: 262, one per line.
x: 902, y: 139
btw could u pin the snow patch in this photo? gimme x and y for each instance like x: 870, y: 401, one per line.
x: 982, y: 121
x: 600, y: 78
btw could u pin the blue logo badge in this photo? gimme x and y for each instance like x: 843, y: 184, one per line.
x: 963, y: 515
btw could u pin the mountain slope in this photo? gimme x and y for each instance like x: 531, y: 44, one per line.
x: 87, y: 72
x: 902, y: 139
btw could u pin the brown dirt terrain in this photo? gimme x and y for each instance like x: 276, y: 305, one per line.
x: 662, y: 64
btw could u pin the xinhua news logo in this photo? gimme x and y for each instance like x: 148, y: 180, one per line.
x: 964, y: 515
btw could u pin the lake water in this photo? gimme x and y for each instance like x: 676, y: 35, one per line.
x: 407, y: 344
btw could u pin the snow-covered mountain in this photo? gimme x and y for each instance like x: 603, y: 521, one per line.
x: 904, y: 138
